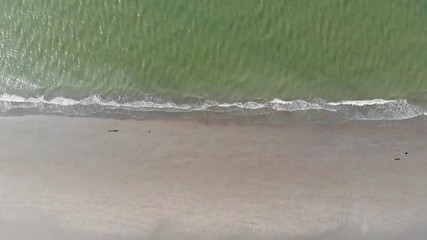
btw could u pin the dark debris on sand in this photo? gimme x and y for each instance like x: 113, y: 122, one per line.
x: 400, y: 153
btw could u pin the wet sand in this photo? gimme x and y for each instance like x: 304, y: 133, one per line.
x: 70, y: 178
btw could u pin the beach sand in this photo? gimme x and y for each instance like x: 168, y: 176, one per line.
x: 69, y: 178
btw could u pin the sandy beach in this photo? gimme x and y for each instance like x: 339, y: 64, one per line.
x: 69, y: 178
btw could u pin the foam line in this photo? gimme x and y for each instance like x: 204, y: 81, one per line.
x: 376, y: 109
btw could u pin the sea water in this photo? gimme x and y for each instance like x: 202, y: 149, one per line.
x: 315, y: 59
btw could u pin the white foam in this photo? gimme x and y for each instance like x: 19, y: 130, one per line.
x: 212, y: 104
x: 247, y: 105
x: 364, y: 102
x: 92, y: 100
x: 376, y: 109
x: 297, y: 105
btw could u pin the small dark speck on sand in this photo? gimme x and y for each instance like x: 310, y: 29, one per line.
x: 148, y: 131
x: 397, y: 159
x: 113, y: 130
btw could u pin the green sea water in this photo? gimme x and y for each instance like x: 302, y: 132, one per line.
x: 215, y: 49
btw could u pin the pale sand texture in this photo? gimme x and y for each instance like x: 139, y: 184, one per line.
x: 68, y: 178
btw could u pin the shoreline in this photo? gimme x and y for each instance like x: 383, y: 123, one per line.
x: 187, y: 178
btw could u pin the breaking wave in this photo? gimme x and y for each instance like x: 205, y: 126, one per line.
x: 376, y: 109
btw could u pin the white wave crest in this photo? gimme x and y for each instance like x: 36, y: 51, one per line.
x: 363, y: 102
x: 376, y: 109
x: 296, y: 105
